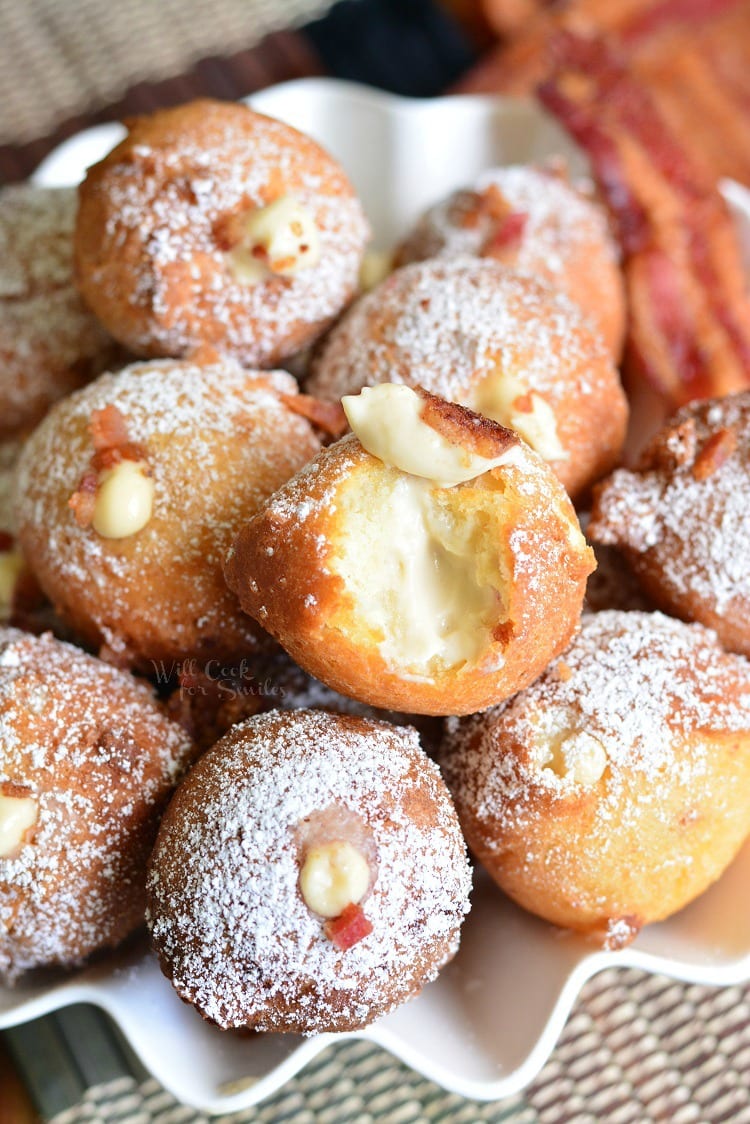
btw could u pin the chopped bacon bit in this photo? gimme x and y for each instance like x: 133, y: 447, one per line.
x: 12, y: 788
x: 83, y: 501
x: 278, y: 265
x: 108, y: 428
x: 259, y: 252
x: 494, y: 204
x: 467, y: 210
x: 716, y: 450
x: 564, y: 672
x: 109, y: 457
x: 350, y: 927
x: 328, y: 416
x: 6, y: 541
x: 507, y: 235
x: 524, y: 403
x: 504, y: 632
x: 462, y: 426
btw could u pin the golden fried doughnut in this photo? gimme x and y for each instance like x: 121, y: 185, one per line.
x: 212, y: 224
x: 411, y: 593
x: 130, y: 492
x: 309, y: 875
x: 49, y: 342
x: 616, y: 788
x: 532, y: 221
x: 498, y: 342
x: 87, y: 763
x: 682, y: 518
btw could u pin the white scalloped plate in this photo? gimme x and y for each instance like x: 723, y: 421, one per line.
x: 488, y: 1024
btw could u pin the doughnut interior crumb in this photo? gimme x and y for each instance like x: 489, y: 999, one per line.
x: 424, y: 577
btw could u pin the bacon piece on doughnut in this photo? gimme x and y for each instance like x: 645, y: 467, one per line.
x: 350, y: 927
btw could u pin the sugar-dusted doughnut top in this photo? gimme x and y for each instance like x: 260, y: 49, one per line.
x: 534, y: 221
x: 446, y: 325
x: 615, y: 788
x: 638, y: 683
x: 96, y: 756
x: 226, y: 912
x: 559, y: 221
x: 160, y: 217
x: 683, y: 519
x: 216, y: 439
x: 49, y: 341
x: 500, y: 342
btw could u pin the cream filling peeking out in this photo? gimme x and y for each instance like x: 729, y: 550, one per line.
x: 18, y: 814
x: 333, y: 876
x: 281, y: 238
x: 573, y: 755
x: 124, y: 500
x: 387, y: 420
x: 506, y: 399
x: 425, y: 575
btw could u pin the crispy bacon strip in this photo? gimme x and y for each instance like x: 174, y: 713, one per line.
x: 690, y: 315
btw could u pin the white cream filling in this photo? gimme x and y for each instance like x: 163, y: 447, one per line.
x: 498, y: 396
x: 387, y: 421
x: 281, y: 238
x: 17, y: 815
x: 333, y: 876
x: 124, y: 500
x: 421, y: 589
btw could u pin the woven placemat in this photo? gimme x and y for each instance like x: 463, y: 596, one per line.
x: 638, y: 1049
x: 59, y: 59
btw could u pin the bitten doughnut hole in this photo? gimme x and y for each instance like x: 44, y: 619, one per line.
x: 414, y: 562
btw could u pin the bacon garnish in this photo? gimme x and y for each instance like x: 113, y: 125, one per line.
x: 714, y: 453
x: 461, y: 426
x: 109, y: 434
x: 108, y: 428
x: 83, y: 500
x: 350, y: 927
x: 328, y: 416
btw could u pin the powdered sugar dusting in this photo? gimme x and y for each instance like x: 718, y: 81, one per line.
x: 93, y: 748
x: 446, y: 325
x: 560, y: 222
x: 695, y: 530
x: 225, y: 908
x: 48, y: 339
x: 651, y: 690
